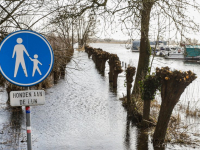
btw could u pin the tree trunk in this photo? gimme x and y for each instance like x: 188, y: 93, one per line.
x: 103, y: 65
x: 130, y: 72
x: 98, y: 63
x: 170, y: 94
x: 146, y: 110
x: 94, y: 58
x: 111, y: 72
x: 62, y: 71
x: 163, y: 120
x: 171, y: 90
x: 56, y: 77
x: 115, y: 76
x: 144, y: 45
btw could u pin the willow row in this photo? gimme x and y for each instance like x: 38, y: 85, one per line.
x: 100, y: 57
x: 170, y: 83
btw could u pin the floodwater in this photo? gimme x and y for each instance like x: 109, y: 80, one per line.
x: 83, y: 112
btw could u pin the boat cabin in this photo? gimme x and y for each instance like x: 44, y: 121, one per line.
x: 136, y: 45
x: 192, y: 50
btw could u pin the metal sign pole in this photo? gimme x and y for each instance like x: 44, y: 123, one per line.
x: 28, y: 126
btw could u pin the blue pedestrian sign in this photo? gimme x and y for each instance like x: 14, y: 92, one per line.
x: 26, y: 58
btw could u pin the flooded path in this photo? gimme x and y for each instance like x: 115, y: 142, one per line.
x: 82, y: 112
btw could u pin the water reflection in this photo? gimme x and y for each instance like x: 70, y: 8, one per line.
x: 83, y: 112
x: 127, y: 136
x: 191, y: 62
x: 142, y: 140
x: 141, y: 136
x: 13, y: 131
x: 113, y: 90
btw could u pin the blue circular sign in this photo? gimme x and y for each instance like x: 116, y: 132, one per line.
x: 26, y: 58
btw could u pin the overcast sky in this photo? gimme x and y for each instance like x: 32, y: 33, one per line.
x: 115, y: 31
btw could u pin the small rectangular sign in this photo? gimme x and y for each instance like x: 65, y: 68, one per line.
x: 27, y: 98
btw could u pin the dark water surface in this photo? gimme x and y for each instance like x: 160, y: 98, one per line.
x: 82, y: 112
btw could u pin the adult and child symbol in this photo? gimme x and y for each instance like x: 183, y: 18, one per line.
x: 19, y: 49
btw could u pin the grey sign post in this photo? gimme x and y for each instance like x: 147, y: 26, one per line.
x: 27, y: 98
x: 28, y: 126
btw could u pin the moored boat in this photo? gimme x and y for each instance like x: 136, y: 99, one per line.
x: 135, y: 46
x: 135, y: 50
x: 175, y: 55
x: 192, y: 52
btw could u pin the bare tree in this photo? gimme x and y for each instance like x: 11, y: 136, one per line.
x: 12, y: 14
x: 135, y: 17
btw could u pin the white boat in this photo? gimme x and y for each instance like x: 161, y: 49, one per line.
x: 175, y: 55
x: 135, y: 46
x: 135, y: 50
x: 160, y: 53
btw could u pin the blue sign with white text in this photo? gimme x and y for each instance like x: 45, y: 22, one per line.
x: 26, y: 58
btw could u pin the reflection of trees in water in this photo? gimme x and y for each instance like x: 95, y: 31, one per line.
x: 127, y: 136
x: 143, y: 142
x: 142, y: 138
x: 11, y: 135
x: 15, y: 128
x: 112, y: 90
x: 159, y: 148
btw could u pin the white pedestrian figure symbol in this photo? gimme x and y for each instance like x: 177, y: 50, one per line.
x: 19, y: 49
x: 35, y: 65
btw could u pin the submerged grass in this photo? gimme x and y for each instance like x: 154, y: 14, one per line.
x: 179, y: 130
